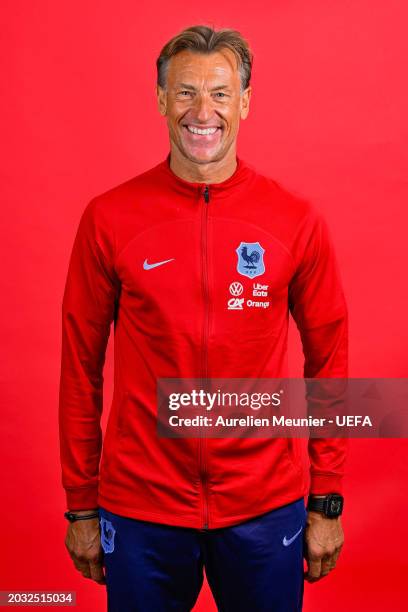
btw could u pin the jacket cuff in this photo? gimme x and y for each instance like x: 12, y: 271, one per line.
x: 82, y: 498
x: 322, y: 484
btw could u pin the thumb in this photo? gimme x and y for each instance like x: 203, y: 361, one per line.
x: 96, y: 571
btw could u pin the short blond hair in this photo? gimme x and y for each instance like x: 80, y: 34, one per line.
x: 203, y: 39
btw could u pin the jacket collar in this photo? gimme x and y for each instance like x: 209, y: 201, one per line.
x: 243, y: 172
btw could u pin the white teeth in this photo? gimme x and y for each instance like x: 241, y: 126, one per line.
x: 195, y: 130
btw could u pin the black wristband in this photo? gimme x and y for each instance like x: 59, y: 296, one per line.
x: 330, y: 505
x: 72, y: 517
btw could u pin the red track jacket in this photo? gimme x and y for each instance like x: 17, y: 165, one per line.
x: 179, y: 320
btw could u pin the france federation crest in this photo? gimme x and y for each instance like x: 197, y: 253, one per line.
x: 250, y: 259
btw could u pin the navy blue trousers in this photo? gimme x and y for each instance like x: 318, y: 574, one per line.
x: 255, y: 566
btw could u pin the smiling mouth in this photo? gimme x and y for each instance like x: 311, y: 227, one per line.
x: 207, y: 131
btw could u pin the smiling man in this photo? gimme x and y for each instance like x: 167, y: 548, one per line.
x: 170, y: 256
x: 204, y: 96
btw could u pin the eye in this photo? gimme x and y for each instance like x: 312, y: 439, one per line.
x: 185, y: 92
x: 220, y: 94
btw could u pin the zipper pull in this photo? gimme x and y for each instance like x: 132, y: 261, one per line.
x: 206, y: 193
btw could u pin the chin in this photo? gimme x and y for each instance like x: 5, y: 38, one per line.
x: 202, y: 157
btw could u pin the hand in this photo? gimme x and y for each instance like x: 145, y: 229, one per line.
x: 83, y: 542
x: 324, y: 539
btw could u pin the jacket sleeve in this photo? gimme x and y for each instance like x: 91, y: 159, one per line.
x: 318, y: 306
x: 88, y: 308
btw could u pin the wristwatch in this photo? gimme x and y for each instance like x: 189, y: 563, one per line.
x: 71, y: 516
x: 331, y: 505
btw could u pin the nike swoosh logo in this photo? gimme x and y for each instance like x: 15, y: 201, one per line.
x: 147, y: 266
x: 287, y: 542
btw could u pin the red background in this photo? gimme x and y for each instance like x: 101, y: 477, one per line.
x: 328, y: 119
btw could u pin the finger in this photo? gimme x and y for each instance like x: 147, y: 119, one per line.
x: 338, y: 550
x: 83, y: 567
x: 335, y: 557
x: 97, y: 574
x: 327, y: 565
x: 314, y: 570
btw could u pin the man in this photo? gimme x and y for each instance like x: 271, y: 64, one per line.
x: 159, y: 256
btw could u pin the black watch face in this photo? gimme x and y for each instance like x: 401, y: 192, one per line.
x: 335, y: 506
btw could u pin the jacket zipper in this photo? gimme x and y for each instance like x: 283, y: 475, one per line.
x: 202, y: 441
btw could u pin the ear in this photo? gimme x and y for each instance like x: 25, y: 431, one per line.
x: 245, y: 99
x: 161, y: 100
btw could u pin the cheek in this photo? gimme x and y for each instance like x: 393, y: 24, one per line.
x: 172, y: 118
x: 233, y: 119
x: 173, y: 108
x: 176, y: 112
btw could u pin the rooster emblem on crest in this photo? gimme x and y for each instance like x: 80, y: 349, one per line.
x: 250, y: 259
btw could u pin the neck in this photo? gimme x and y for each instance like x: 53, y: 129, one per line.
x: 213, y: 172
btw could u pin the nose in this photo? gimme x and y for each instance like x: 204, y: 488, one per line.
x: 204, y: 107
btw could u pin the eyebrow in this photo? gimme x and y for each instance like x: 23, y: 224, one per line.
x: 192, y: 88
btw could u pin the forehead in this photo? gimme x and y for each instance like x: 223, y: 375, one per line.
x: 192, y: 67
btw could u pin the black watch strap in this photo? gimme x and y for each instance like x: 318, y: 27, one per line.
x: 72, y: 517
x: 331, y: 505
